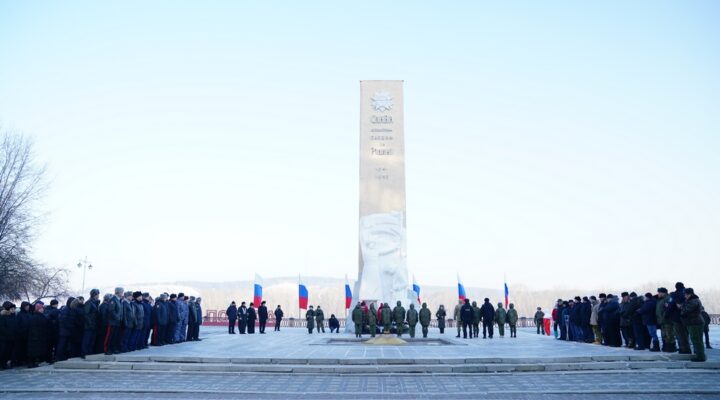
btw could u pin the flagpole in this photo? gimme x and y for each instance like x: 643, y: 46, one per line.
x: 345, y: 305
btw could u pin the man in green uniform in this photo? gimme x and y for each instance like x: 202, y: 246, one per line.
x: 310, y: 318
x: 690, y: 314
x: 357, y: 318
x: 412, y: 319
x: 372, y: 319
x: 512, y: 317
x: 399, y: 315
x: 386, y: 315
x: 666, y: 326
x: 456, y: 316
x: 425, y: 317
x: 320, y: 319
x: 500, y: 318
x: 476, y: 320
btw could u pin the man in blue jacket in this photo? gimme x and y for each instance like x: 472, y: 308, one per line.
x: 173, y: 319
x: 231, y: 314
x: 160, y: 319
x: 649, y: 319
x: 487, y: 312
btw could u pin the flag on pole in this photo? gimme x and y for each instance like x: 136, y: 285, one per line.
x: 461, y: 289
x: 416, y: 288
x: 507, y: 292
x: 257, y: 291
x: 302, y: 295
x: 348, y: 294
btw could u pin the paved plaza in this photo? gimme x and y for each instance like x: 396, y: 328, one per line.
x: 294, y: 345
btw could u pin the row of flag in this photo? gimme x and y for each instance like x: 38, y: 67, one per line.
x: 303, y: 294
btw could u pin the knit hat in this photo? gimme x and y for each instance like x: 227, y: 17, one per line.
x: 648, y: 295
x: 689, y: 291
x: 662, y: 290
x: 8, y: 305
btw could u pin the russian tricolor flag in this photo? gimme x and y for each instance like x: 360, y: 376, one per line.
x: 416, y: 288
x: 348, y: 294
x: 507, y: 292
x: 257, y: 291
x: 302, y: 295
x: 461, y: 289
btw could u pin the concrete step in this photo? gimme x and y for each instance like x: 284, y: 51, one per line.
x: 338, y: 368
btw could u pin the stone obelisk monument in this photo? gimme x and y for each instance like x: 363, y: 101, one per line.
x: 382, y: 273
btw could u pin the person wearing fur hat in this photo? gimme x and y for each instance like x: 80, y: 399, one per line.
x: 38, y: 329
x: 8, y: 325
x: 690, y: 314
x: 91, y: 323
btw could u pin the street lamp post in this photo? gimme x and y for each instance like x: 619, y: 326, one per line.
x: 85, y: 265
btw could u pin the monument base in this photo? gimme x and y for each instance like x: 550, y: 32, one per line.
x: 386, y: 339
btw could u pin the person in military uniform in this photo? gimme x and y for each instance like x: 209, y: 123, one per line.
x: 412, y: 319
x: 320, y: 320
x: 666, y: 326
x: 399, y: 316
x: 310, y: 318
x: 386, y: 315
x: 357, y: 318
x: 424, y: 315
x: 456, y: 316
x: 690, y: 314
x: 372, y: 319
x: 539, y: 316
x: 501, y: 319
x: 512, y: 317
x: 673, y: 306
x: 475, y: 330
x: 440, y: 314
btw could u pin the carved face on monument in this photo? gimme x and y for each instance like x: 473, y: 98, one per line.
x: 382, y: 243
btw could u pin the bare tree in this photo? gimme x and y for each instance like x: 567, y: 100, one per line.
x: 21, y: 186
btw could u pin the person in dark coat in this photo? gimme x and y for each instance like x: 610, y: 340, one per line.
x: 21, y: 334
x: 147, y: 315
x: 111, y: 343
x: 487, y: 311
x: 128, y: 322
x: 334, y: 324
x: 8, y: 325
x: 639, y: 330
x: 138, y: 332
x: 173, y: 319
x: 706, y: 329
x: 262, y: 312
x: 242, y: 318
x: 38, y: 330
x: 78, y: 315
x: 231, y: 314
x: 576, y: 319
x: 278, y: 317
x: 91, y: 320
x: 673, y: 306
x: 611, y: 322
x: 66, y: 325
x: 466, y: 317
x: 691, y: 317
x: 160, y: 320
x: 251, y: 318
x: 648, y: 315
x: 440, y: 314
x: 319, y: 320
x: 585, y: 316
x: 625, y: 321
x: 102, y: 324
x: 193, y: 319
x: 198, y: 320
x: 52, y: 313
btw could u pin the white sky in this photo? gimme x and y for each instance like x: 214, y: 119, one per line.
x: 568, y: 144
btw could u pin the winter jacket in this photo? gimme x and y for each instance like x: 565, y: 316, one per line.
x: 660, y: 310
x: 399, y: 314
x: 466, y: 314
x: 8, y: 326
x: 500, y: 315
x: 372, y: 316
x: 611, y: 314
x: 115, y: 312
x: 183, y: 311
x: 386, y: 316
x: 488, y: 312
x: 231, y: 313
x: 594, y: 313
x: 647, y: 312
x: 279, y: 314
x: 357, y: 315
x: 91, y: 315
x: 586, y: 313
x: 139, y: 314
x: 412, y: 316
x: 671, y: 310
x: 512, y: 316
x: 262, y: 313
x: 161, y: 313
x: 66, y: 322
x: 476, y: 314
x: 319, y: 315
x: 425, y: 316
x: 128, y: 315
x: 173, y: 315
x: 38, y: 336
x: 691, y: 310
x: 539, y: 315
x: 147, y: 314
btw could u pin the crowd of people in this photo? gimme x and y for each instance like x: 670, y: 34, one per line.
x: 120, y: 322
x: 245, y: 316
x: 634, y: 321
